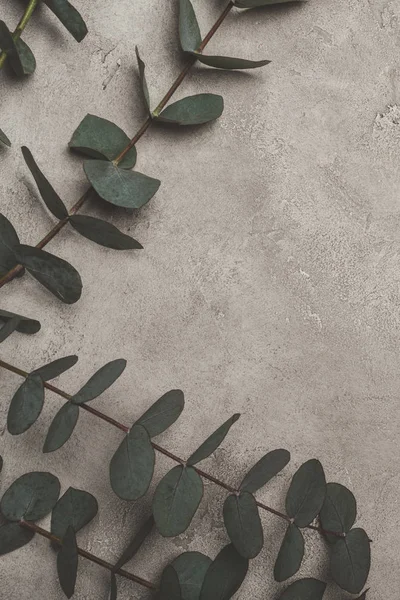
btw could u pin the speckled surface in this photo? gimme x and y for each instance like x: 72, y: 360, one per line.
x: 269, y: 282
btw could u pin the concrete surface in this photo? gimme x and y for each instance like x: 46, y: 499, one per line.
x: 269, y: 283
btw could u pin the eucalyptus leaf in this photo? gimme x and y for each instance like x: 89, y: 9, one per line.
x: 189, y: 31
x: 132, y: 466
x: 304, y: 589
x: 243, y: 524
x: 339, y: 510
x: 212, y: 442
x: 100, y: 381
x: 163, y: 413
x: 176, y: 500
x: 26, y: 57
x: 10, y: 326
x: 4, y: 139
x: 113, y: 587
x: 143, y: 82
x: 99, y: 138
x: 227, y: 62
x: 128, y: 189
x: 56, y: 367
x: 54, y: 273
x: 50, y: 197
x: 26, y: 405
x: 67, y: 563
x: 170, y: 588
x: 290, y: 555
x: 191, y: 568
x: 194, y: 110
x: 264, y: 470
x: 258, y: 3
x: 351, y: 561
x: 7, y: 44
x: 306, y: 493
x: 25, y: 324
x: 135, y: 544
x: 61, y: 427
x: 69, y: 17
x: 9, y: 245
x: 225, y: 575
x: 103, y: 233
x: 13, y: 537
x: 76, y: 508
x: 31, y: 497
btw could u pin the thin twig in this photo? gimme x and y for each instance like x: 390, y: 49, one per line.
x: 26, y: 17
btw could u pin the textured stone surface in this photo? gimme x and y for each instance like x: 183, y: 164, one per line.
x: 269, y: 282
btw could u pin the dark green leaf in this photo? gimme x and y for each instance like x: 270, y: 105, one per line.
x: 264, y: 470
x: 54, y: 273
x: 7, y: 44
x: 307, y: 493
x: 191, y: 568
x: 31, y: 497
x: 304, y: 589
x: 290, y: 554
x: 26, y: 405
x: 143, y: 82
x: 212, y: 442
x: 257, y: 3
x: 176, y: 500
x: 25, y: 325
x: 76, y: 508
x: 56, y: 367
x: 69, y: 17
x: 163, y: 413
x: 339, y: 510
x: 67, y: 563
x: 243, y: 524
x: 135, y: 544
x: 189, y: 31
x: 113, y: 587
x: 100, y: 138
x: 61, y: 427
x: 4, y: 139
x: 227, y: 62
x: 50, y: 197
x: 100, y: 381
x: 103, y: 233
x: 132, y: 466
x: 128, y: 189
x: 225, y: 575
x: 9, y: 244
x: 170, y: 588
x: 194, y: 110
x: 9, y: 328
x: 13, y: 537
x: 26, y: 57
x: 351, y: 561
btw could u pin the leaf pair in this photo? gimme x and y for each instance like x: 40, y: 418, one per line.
x: 19, y: 55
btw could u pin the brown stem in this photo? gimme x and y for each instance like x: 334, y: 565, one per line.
x: 92, y: 557
x: 78, y: 205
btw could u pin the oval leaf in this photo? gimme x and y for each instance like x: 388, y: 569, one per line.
x: 339, y: 510
x: 212, y: 442
x: 194, y: 110
x: 69, y: 17
x: 290, y: 554
x: 176, y: 500
x: 9, y: 244
x: 61, y: 427
x: 100, y: 138
x: 306, y: 493
x: 26, y: 405
x: 67, y: 563
x: 132, y: 466
x: 26, y: 57
x: 128, y: 189
x: 31, y: 497
x: 304, y: 589
x: 103, y: 233
x: 225, y: 575
x: 191, y: 568
x: 56, y: 367
x: 135, y: 544
x: 226, y: 62
x: 189, y: 31
x: 76, y: 508
x: 7, y: 44
x: 100, y: 381
x: 4, y: 139
x: 13, y: 537
x: 265, y: 469
x: 143, y: 82
x: 258, y: 3
x: 170, y: 588
x: 25, y: 325
x: 243, y: 524
x: 163, y: 413
x: 351, y: 561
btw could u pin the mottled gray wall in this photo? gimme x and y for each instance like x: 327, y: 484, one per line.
x: 269, y: 283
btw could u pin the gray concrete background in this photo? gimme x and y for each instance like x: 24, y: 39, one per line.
x: 269, y: 283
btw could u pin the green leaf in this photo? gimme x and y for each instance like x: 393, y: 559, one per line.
x: 339, y: 510
x: 4, y: 139
x: 113, y: 587
x: 100, y: 138
x: 351, y: 561
x: 100, y: 381
x: 61, y: 427
x: 9, y: 328
x: 67, y: 563
x: 176, y: 500
x: 26, y: 405
x: 69, y: 17
x: 132, y: 466
x: 103, y: 233
x: 31, y: 497
x: 7, y: 44
x: 212, y: 442
x: 189, y: 31
x: 306, y: 493
x: 191, y: 568
x: 170, y: 588
x: 258, y: 3
x: 26, y: 57
x: 227, y: 62
x: 25, y: 325
x: 128, y: 189
x: 194, y: 110
x: 243, y: 524
x: 50, y: 197
x: 54, y: 273
x: 9, y: 245
x: 143, y: 82
x: 13, y: 537
x: 135, y: 544
x: 76, y: 508
x: 225, y: 575
x: 304, y: 589
x: 56, y: 367
x: 163, y: 413
x: 265, y: 469
x: 290, y: 554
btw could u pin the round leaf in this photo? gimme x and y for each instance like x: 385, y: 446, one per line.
x: 227, y: 62
x: 163, y: 413
x: 25, y: 325
x: 76, y: 508
x: 304, y: 589
x: 31, y: 497
x: 264, y: 470
x: 61, y: 427
x: 194, y: 110
x: 13, y: 537
x: 212, y: 442
x: 189, y: 31
x: 243, y: 524
x: 4, y: 139
x: 225, y: 575
x: 100, y: 381
x: 69, y: 17
x: 351, y: 561
x: 103, y: 233
x: 306, y: 493
x: 191, y: 568
x: 67, y: 563
x: 9, y: 244
x: 26, y: 405
x: 56, y: 367
x: 290, y: 554
x: 339, y: 510
x: 169, y: 585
